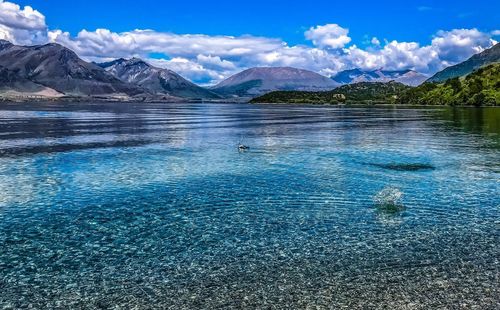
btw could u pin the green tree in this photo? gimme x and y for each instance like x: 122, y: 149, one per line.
x: 455, y: 84
x: 475, y: 85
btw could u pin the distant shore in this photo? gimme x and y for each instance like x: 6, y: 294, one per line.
x: 245, y: 101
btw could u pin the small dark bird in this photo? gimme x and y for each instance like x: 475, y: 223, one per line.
x: 242, y: 147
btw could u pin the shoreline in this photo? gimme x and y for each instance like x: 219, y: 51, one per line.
x: 380, y: 105
x: 351, y: 105
x: 246, y: 100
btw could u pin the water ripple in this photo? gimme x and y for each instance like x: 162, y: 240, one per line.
x: 153, y: 207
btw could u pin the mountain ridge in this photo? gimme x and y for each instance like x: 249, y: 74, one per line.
x: 156, y: 80
x: 352, y: 76
x: 479, y: 88
x: 59, y: 68
x: 486, y: 57
x: 54, y: 71
x: 256, y: 81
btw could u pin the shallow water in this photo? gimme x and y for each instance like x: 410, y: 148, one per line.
x: 153, y: 206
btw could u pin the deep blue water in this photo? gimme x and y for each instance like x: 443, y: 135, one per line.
x: 152, y: 206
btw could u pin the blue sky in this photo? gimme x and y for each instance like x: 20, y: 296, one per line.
x: 323, y: 36
x: 398, y: 20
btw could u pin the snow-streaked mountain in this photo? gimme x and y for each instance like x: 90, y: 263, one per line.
x: 407, y: 77
x: 258, y: 81
x: 155, y: 80
x: 54, y: 69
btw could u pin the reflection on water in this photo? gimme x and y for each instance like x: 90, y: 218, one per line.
x: 485, y: 120
x: 154, y: 206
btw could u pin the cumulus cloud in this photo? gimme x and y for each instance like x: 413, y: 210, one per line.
x: 106, y: 42
x: 458, y: 44
x: 216, y: 63
x: 328, y: 36
x: 446, y: 48
x: 191, y: 69
x: 209, y: 59
x: 393, y: 56
x: 375, y: 41
x: 21, y: 25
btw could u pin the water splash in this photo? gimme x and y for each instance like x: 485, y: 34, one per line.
x: 389, y: 200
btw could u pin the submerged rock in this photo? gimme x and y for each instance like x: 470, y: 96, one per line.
x: 405, y: 166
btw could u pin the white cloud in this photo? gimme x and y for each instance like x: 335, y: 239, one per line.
x: 393, y: 56
x: 210, y: 59
x: 215, y: 62
x: 456, y: 45
x: 21, y: 25
x: 446, y: 48
x: 192, y: 69
x: 195, y: 56
x: 375, y: 41
x: 106, y: 42
x: 328, y: 36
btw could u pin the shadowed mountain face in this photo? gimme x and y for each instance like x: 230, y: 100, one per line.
x: 60, y: 69
x: 155, y: 80
x: 407, y: 77
x: 15, y: 84
x: 484, y: 58
x: 257, y: 81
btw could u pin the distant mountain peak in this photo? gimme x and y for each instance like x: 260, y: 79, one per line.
x: 54, y: 70
x: 51, y: 45
x: 60, y: 69
x: 259, y: 80
x: 356, y: 75
x: 136, y: 61
x: 5, y: 44
x: 156, y: 80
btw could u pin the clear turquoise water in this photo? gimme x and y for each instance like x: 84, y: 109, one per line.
x: 153, y: 206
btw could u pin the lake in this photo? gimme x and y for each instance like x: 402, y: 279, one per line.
x: 152, y: 206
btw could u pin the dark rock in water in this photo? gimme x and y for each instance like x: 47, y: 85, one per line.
x: 157, y: 81
x: 405, y: 167
x: 389, y: 208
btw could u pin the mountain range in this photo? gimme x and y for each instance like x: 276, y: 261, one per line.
x: 54, y: 71
x: 407, y: 77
